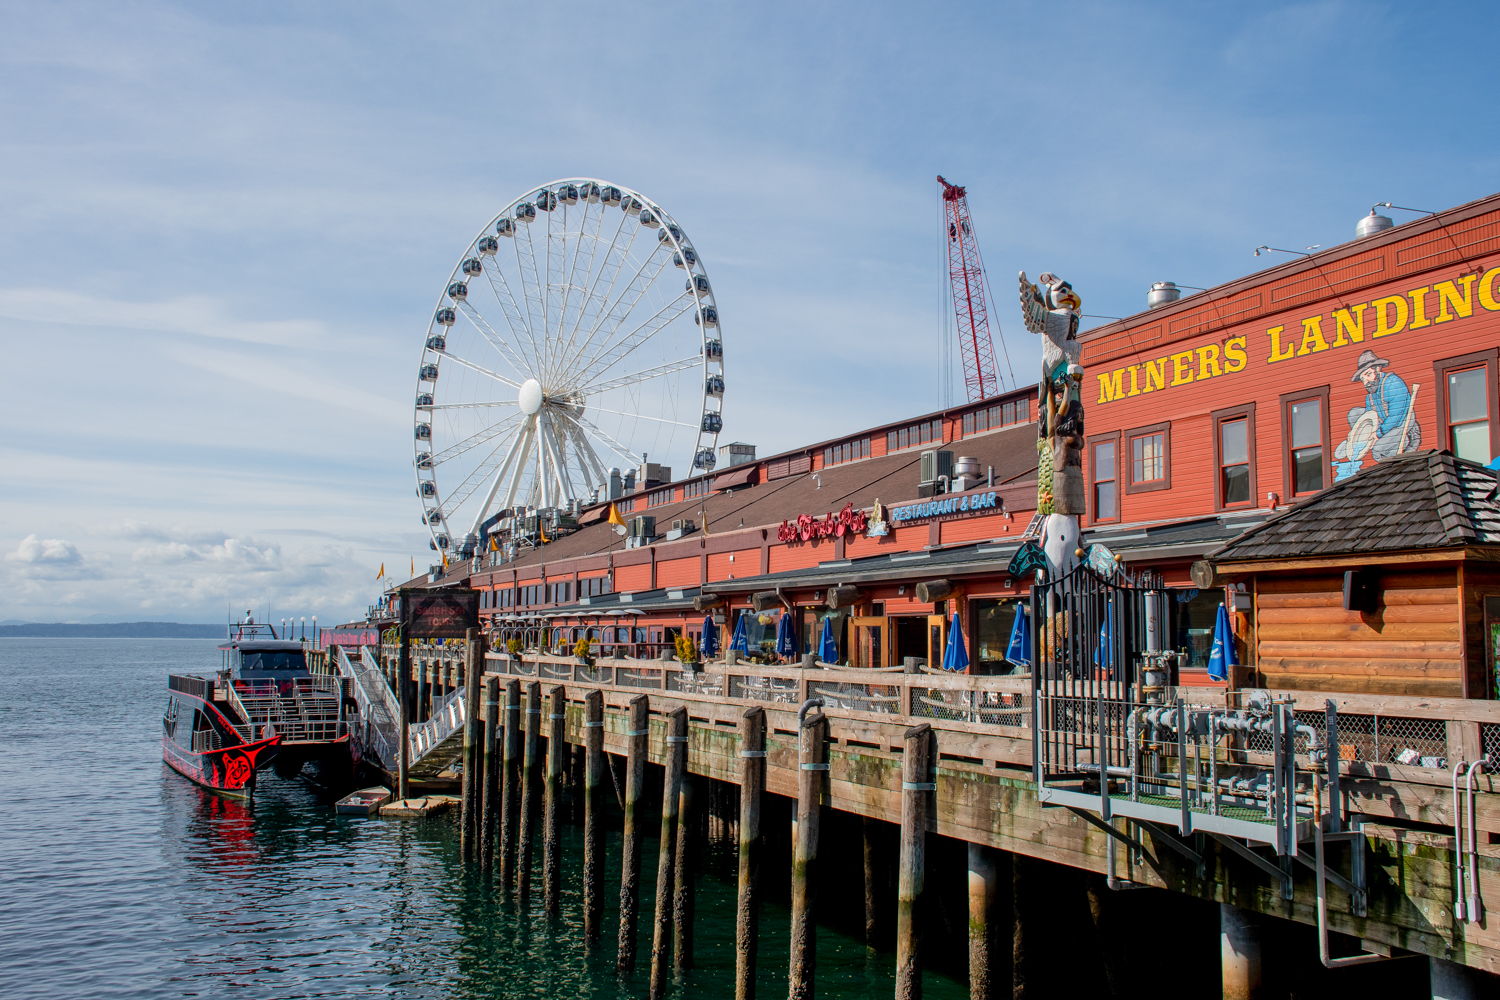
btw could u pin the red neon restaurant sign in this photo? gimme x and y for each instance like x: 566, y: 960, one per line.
x: 807, y: 527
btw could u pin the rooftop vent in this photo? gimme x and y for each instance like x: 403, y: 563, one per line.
x: 1372, y: 224
x: 1162, y: 293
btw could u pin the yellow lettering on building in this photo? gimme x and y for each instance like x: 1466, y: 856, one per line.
x: 1134, y: 390
x: 1312, y: 336
x: 1448, y: 295
x: 1110, y: 388
x: 1208, y: 361
x: 1354, y: 325
x: 1419, y: 308
x: 1182, y: 367
x: 1277, y: 354
x: 1156, y: 375
x: 1487, y: 290
x: 1384, y: 325
x: 1235, y: 357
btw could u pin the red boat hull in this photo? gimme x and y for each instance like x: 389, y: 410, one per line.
x: 228, y: 770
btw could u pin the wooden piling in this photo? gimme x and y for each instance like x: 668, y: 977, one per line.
x: 983, y: 882
x: 674, y: 761
x: 490, y: 762
x: 529, y: 780
x: 812, y: 774
x: 473, y: 733
x: 752, y: 788
x: 423, y: 669
x: 917, y: 793
x: 637, y: 726
x: 684, y: 903
x: 870, y: 828
x: 593, y: 814
x: 403, y: 695
x: 510, y: 780
x: 557, y: 752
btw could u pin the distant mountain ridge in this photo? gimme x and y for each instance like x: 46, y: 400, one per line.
x: 117, y: 630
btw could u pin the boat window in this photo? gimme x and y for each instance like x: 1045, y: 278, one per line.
x: 277, y: 660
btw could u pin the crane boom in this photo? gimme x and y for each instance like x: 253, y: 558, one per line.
x: 967, y: 286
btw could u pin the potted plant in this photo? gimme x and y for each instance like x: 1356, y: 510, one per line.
x: 513, y: 647
x: 582, y: 650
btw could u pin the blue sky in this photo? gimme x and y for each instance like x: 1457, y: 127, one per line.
x: 225, y: 225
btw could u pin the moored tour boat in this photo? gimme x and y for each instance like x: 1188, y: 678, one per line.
x: 202, y: 740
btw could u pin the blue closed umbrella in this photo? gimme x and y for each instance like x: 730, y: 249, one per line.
x: 828, y: 650
x: 1019, y: 650
x: 955, y: 657
x: 1223, y: 655
x: 738, y: 642
x: 786, y: 636
x: 1104, y: 656
x: 710, y: 644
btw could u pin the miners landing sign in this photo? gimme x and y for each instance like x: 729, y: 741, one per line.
x: 967, y: 503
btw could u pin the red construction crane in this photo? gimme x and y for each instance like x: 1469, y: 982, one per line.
x: 966, y: 276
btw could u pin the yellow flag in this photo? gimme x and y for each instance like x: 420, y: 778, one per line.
x: 614, y: 516
x: 543, y: 529
x: 445, y: 561
x: 494, y: 544
x: 381, y: 573
x: 413, y: 565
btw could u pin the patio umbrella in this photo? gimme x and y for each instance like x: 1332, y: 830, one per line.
x: 710, y: 644
x: 1019, y: 650
x: 786, y: 636
x: 828, y: 649
x: 738, y: 642
x: 1223, y: 655
x: 956, y: 658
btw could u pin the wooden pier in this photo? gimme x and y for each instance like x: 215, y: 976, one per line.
x: 951, y: 755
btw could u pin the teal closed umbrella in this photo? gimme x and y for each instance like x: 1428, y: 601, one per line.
x: 710, y: 644
x: 828, y: 649
x: 1223, y: 655
x: 738, y: 642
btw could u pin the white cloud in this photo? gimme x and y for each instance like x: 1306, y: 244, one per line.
x: 197, y: 315
x: 45, y: 552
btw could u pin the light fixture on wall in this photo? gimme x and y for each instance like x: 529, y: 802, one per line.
x: 901, y: 589
x: 1303, y: 253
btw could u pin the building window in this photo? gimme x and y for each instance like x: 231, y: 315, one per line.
x: 1466, y: 406
x: 907, y: 437
x: 1146, y: 457
x: 696, y: 488
x: 846, y: 452
x: 1304, y: 431
x: 1234, y: 456
x: 625, y: 506
x: 1104, y: 472
x: 660, y: 497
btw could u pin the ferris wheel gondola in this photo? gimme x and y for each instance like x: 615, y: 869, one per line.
x: 561, y: 347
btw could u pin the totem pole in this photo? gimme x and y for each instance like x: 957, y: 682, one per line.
x: 1051, y: 309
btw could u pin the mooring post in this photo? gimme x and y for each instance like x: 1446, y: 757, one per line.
x: 812, y: 757
x: 423, y: 668
x: 752, y: 787
x: 870, y: 828
x: 917, y: 790
x: 469, y: 826
x: 403, y: 695
x: 683, y: 902
x: 490, y: 764
x: 674, y: 760
x: 510, y: 780
x: 637, y: 726
x: 593, y: 813
x: 557, y: 752
x: 529, y: 778
x: 983, y: 881
x: 1240, y: 952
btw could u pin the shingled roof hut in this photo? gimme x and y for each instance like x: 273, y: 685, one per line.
x: 1386, y: 583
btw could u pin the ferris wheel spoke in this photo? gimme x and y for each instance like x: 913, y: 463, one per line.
x: 609, y: 303
x: 527, y: 437
x: 661, y: 319
x: 470, y: 406
x: 642, y: 416
x: 584, y: 450
x: 480, y: 369
x: 496, y: 341
x: 465, y: 489
x: 518, y: 323
x: 573, y: 276
x: 558, y: 459
x: 472, y: 441
x: 495, y: 483
x: 609, y: 270
x: 531, y: 291
x: 644, y: 375
x: 614, y: 445
x: 619, y: 311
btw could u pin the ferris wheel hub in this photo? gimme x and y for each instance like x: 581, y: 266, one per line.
x: 531, y: 397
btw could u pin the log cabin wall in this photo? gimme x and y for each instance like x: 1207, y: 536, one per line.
x: 1480, y: 581
x: 1412, y: 644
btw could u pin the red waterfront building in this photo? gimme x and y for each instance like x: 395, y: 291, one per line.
x: 1205, y: 416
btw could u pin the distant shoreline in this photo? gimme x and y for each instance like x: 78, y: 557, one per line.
x: 118, y: 630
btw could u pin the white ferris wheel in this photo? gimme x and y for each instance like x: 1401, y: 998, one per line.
x: 576, y: 335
